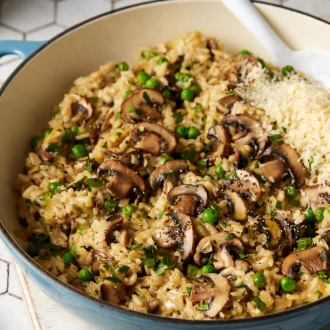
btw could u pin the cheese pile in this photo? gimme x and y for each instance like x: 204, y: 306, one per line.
x: 303, y: 108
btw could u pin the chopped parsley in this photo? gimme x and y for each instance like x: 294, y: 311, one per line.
x: 93, y: 98
x: 105, y: 145
x: 89, y: 165
x: 320, y: 294
x: 223, y: 224
x: 112, y: 278
x: 260, y: 304
x: 189, y: 290
x: 275, y: 138
x: 242, y: 286
x: 178, y: 117
x: 209, y: 145
x: 135, y: 246
x: 146, y: 97
x: 168, y: 175
x: 215, y: 206
x: 79, y: 183
x: 197, y: 107
x: 117, y: 115
x: 95, y: 182
x: 203, y: 308
x: 278, y: 205
x: 188, y: 155
x: 230, y: 236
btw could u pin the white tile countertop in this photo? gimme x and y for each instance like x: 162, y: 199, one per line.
x: 41, y: 20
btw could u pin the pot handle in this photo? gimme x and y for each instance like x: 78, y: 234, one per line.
x: 21, y: 48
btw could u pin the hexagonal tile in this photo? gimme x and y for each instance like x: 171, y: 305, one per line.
x: 44, y: 33
x: 71, y: 12
x: 27, y: 15
x: 4, y: 276
x: 125, y: 3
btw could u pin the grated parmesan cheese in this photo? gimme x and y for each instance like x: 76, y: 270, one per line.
x: 303, y: 108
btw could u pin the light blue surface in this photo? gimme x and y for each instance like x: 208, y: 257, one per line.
x: 21, y: 48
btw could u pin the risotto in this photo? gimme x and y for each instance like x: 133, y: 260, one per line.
x: 166, y: 188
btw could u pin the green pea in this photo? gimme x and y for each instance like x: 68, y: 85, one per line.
x: 68, y: 258
x: 166, y: 159
x: 319, y: 213
x: 210, y: 216
x: 195, y: 88
x: 126, y: 94
x: 142, y: 78
x: 310, y: 232
x: 187, y: 94
x: 110, y: 205
x: 122, y: 66
x: 161, y: 60
x: 75, y: 129
x: 184, y: 77
x: 310, y: 216
x: 128, y: 210
x: 167, y: 94
x: 192, y: 271
x: 79, y: 150
x: 193, y: 133
x: 79, y: 231
x: 288, y: 284
x: 244, y: 52
x: 183, y: 131
x: 54, y: 186
x: 35, y: 140
x: 149, y: 54
x: 47, y: 197
x: 49, y: 130
x: 85, y: 275
x: 219, y: 171
x: 177, y: 75
x: 74, y: 251
x: 202, y: 163
x: 292, y: 191
x: 287, y: 69
x: 304, y: 243
x: 32, y: 250
x: 208, y: 269
x: 23, y: 222
x: 259, y: 280
x: 152, y: 83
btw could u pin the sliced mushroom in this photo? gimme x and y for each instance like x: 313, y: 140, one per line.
x: 99, y: 252
x: 129, y: 159
x: 325, y: 236
x: 215, y: 289
x: 221, y: 145
x: 165, y: 237
x: 291, y: 158
x: 95, y: 268
x: 241, y: 64
x: 315, y: 196
x: 115, y: 222
x: 274, y: 171
x: 153, y: 138
x: 80, y: 287
x: 141, y: 105
x: 185, y: 234
x: 311, y: 260
x: 109, y: 294
x: 271, y: 230
x: 125, y: 180
x: 242, y: 264
x: 153, y: 305
x: 217, y: 246
x: 86, y: 107
x: 176, y: 167
x: 247, y: 185
x: 186, y: 197
x: 123, y: 238
x: 250, y: 133
x: 73, y: 226
x: 212, y: 44
x: 230, y: 100
x: 237, y: 206
x: 45, y: 156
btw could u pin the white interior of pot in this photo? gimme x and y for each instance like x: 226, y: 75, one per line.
x: 27, y: 102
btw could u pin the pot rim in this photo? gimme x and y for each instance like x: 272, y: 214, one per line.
x: 289, y: 313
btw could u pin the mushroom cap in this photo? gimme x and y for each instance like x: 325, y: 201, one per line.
x: 109, y: 294
x: 247, y: 184
x: 129, y: 159
x: 218, y: 295
x: 186, y: 195
x: 165, y: 237
x: 242, y: 63
x: 310, y: 260
x: 250, y: 133
x: 174, y: 166
x: 141, y: 105
x: 221, y: 146
x: 115, y: 221
x: 186, y: 234
x: 124, y: 181
x: 325, y: 236
x: 274, y: 171
x: 229, y: 100
x: 153, y: 138
x: 45, y: 156
x: 86, y: 107
x: 315, y: 196
x: 95, y: 268
x: 153, y: 305
x: 237, y: 206
x: 291, y: 158
x: 218, y: 246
